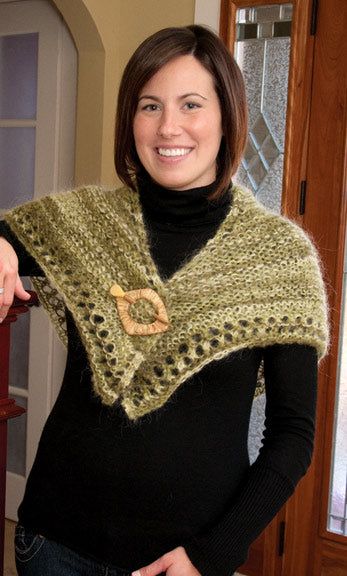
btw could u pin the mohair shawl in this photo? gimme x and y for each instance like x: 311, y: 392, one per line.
x: 257, y: 282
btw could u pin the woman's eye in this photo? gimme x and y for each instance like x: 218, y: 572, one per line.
x: 191, y: 105
x: 150, y: 107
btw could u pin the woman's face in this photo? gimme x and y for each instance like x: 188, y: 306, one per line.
x: 177, y: 125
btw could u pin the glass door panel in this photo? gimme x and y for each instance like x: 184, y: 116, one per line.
x: 18, y: 103
x: 17, y: 165
x: 262, y: 50
x: 18, y: 76
x: 337, y: 512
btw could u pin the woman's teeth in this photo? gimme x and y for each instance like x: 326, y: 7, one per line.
x: 173, y: 151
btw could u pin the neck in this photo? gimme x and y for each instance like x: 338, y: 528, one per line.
x: 182, y: 207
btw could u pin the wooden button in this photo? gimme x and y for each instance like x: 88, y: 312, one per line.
x: 131, y: 327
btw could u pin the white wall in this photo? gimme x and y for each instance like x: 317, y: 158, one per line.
x: 207, y: 12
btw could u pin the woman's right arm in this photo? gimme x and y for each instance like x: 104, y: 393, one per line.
x: 14, y: 261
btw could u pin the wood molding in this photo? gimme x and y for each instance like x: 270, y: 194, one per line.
x: 294, y: 560
x: 325, y: 220
x: 299, y: 90
x: 330, y: 559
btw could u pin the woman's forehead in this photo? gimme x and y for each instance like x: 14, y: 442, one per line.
x: 184, y: 74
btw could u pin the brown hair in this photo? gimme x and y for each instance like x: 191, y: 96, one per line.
x: 153, y: 54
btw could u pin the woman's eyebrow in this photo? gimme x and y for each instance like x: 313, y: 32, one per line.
x: 156, y: 99
x: 193, y: 94
x: 149, y: 97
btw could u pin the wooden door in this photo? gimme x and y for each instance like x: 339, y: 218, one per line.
x: 312, y: 548
x: 297, y: 543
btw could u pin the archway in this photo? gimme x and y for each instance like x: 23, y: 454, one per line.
x: 90, y: 89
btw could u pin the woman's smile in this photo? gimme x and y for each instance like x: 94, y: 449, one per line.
x: 173, y: 152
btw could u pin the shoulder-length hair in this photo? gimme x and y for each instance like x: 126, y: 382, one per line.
x: 151, y: 56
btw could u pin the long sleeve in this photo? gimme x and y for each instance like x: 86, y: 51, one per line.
x: 27, y: 265
x: 290, y: 376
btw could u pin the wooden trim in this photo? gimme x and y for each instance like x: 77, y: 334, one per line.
x: 295, y: 171
x: 298, y: 108
x: 227, y: 23
x: 330, y: 559
x: 327, y: 208
x: 299, y: 90
x: 325, y: 219
x: 272, y: 562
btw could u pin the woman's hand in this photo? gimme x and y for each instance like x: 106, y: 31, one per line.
x: 174, y: 563
x: 9, y: 279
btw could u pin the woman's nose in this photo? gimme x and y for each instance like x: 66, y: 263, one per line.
x: 169, y: 124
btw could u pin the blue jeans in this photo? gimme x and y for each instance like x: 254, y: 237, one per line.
x: 38, y: 556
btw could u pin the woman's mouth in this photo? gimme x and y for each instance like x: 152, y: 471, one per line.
x: 173, y: 152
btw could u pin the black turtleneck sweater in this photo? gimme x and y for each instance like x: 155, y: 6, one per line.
x: 127, y: 493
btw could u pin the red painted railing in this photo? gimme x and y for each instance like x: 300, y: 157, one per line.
x: 8, y: 407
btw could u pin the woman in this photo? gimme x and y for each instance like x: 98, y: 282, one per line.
x: 143, y: 462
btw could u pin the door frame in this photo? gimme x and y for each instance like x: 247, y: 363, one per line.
x: 325, y: 219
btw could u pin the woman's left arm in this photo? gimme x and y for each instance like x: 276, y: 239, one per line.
x: 291, y: 382
x: 291, y: 389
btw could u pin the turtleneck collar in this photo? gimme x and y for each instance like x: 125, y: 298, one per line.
x: 182, y: 207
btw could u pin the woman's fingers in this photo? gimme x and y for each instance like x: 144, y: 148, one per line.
x: 8, y: 283
x: 20, y: 291
x: 174, y: 563
x: 12, y: 287
x: 156, y: 568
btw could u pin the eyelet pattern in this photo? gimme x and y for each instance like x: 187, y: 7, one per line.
x: 256, y: 283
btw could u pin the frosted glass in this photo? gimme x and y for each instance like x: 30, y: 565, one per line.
x: 260, y: 14
x: 18, y: 76
x: 267, y: 13
x: 265, y: 30
x: 270, y: 191
x: 17, y: 166
x: 260, y: 131
x: 337, y: 515
x: 257, y: 172
x: 244, y: 15
x: 287, y: 12
x: 19, y: 351
x: 335, y: 525
x: 250, y: 57
x: 264, y: 62
x: 276, y: 86
x: 16, y: 441
x: 256, y: 427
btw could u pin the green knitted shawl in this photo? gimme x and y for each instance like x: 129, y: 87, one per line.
x: 256, y: 283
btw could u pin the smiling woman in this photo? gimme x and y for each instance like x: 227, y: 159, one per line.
x: 177, y: 125
x: 181, y: 112
x: 143, y: 464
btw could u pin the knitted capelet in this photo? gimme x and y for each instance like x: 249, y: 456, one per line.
x: 257, y: 282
